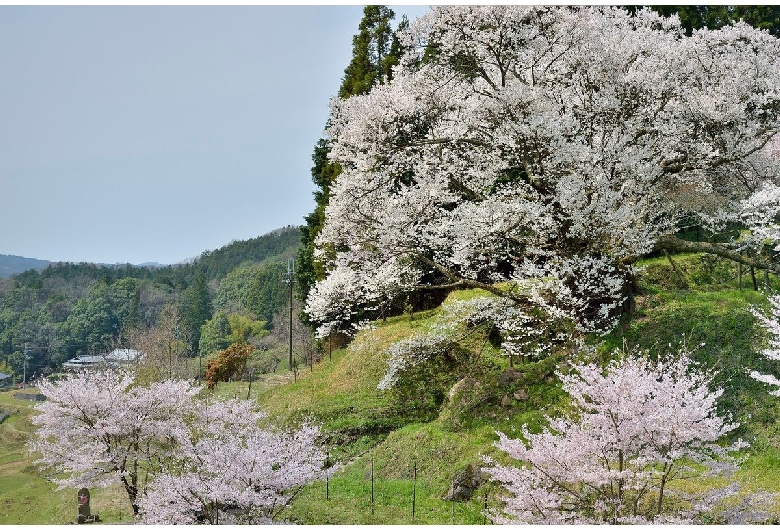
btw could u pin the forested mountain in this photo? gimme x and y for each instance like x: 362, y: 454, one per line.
x: 10, y: 264
x: 70, y: 309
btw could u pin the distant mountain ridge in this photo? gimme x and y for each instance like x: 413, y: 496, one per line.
x: 281, y: 242
x: 10, y: 264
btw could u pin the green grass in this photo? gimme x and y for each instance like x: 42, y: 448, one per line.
x: 349, y: 501
x: 711, y: 318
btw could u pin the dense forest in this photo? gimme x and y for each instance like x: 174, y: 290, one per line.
x: 70, y: 309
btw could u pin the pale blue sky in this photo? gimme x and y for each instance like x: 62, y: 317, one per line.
x: 136, y: 134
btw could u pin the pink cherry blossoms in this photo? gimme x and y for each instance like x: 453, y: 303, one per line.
x: 771, y: 323
x: 181, y: 459
x: 633, y: 431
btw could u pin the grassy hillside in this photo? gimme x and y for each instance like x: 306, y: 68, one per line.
x: 444, y: 417
x: 708, y: 312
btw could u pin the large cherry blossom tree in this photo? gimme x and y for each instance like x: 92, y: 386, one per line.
x: 632, y: 432
x: 537, y: 153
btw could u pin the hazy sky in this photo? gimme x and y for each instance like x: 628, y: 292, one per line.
x: 136, y: 134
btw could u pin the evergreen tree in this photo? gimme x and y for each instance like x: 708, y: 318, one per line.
x: 133, y: 315
x: 196, y: 309
x: 370, y: 49
x: 396, y: 49
x: 375, y: 50
x: 713, y: 17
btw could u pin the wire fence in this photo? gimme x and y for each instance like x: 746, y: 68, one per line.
x: 361, y: 495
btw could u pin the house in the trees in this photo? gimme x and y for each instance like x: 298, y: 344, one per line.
x: 122, y: 357
x: 118, y: 357
x: 84, y: 361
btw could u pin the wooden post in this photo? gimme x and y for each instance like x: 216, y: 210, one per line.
x: 372, y: 484
x: 414, y: 489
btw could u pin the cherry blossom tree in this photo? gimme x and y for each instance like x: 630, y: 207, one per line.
x: 180, y: 459
x: 537, y: 153
x: 228, y: 470
x: 771, y: 322
x: 633, y: 432
x: 98, y: 429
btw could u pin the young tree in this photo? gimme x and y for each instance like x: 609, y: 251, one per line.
x: 228, y: 470
x: 228, y: 363
x: 214, y: 334
x: 98, y: 429
x: 546, y: 150
x: 630, y: 436
x: 164, y: 348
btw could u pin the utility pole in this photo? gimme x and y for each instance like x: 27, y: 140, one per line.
x: 289, y: 280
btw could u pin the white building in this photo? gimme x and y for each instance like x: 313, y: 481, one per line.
x: 122, y: 356
x: 118, y: 357
x: 84, y: 361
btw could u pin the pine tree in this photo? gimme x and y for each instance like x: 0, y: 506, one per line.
x: 196, y: 309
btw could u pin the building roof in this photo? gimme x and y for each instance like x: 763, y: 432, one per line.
x: 82, y: 361
x: 4, y: 376
x: 123, y: 355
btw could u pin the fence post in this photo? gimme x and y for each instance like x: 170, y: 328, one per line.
x: 372, y: 484
x: 414, y: 489
x: 327, y: 476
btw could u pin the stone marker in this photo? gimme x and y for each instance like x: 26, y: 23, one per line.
x: 84, y: 514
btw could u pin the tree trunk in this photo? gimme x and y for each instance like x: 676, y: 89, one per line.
x: 659, y: 507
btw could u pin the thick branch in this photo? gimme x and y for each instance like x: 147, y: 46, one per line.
x: 674, y: 244
x: 458, y: 281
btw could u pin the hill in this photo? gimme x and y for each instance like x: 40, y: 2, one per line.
x: 10, y: 265
x: 443, y: 417
x: 70, y: 309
